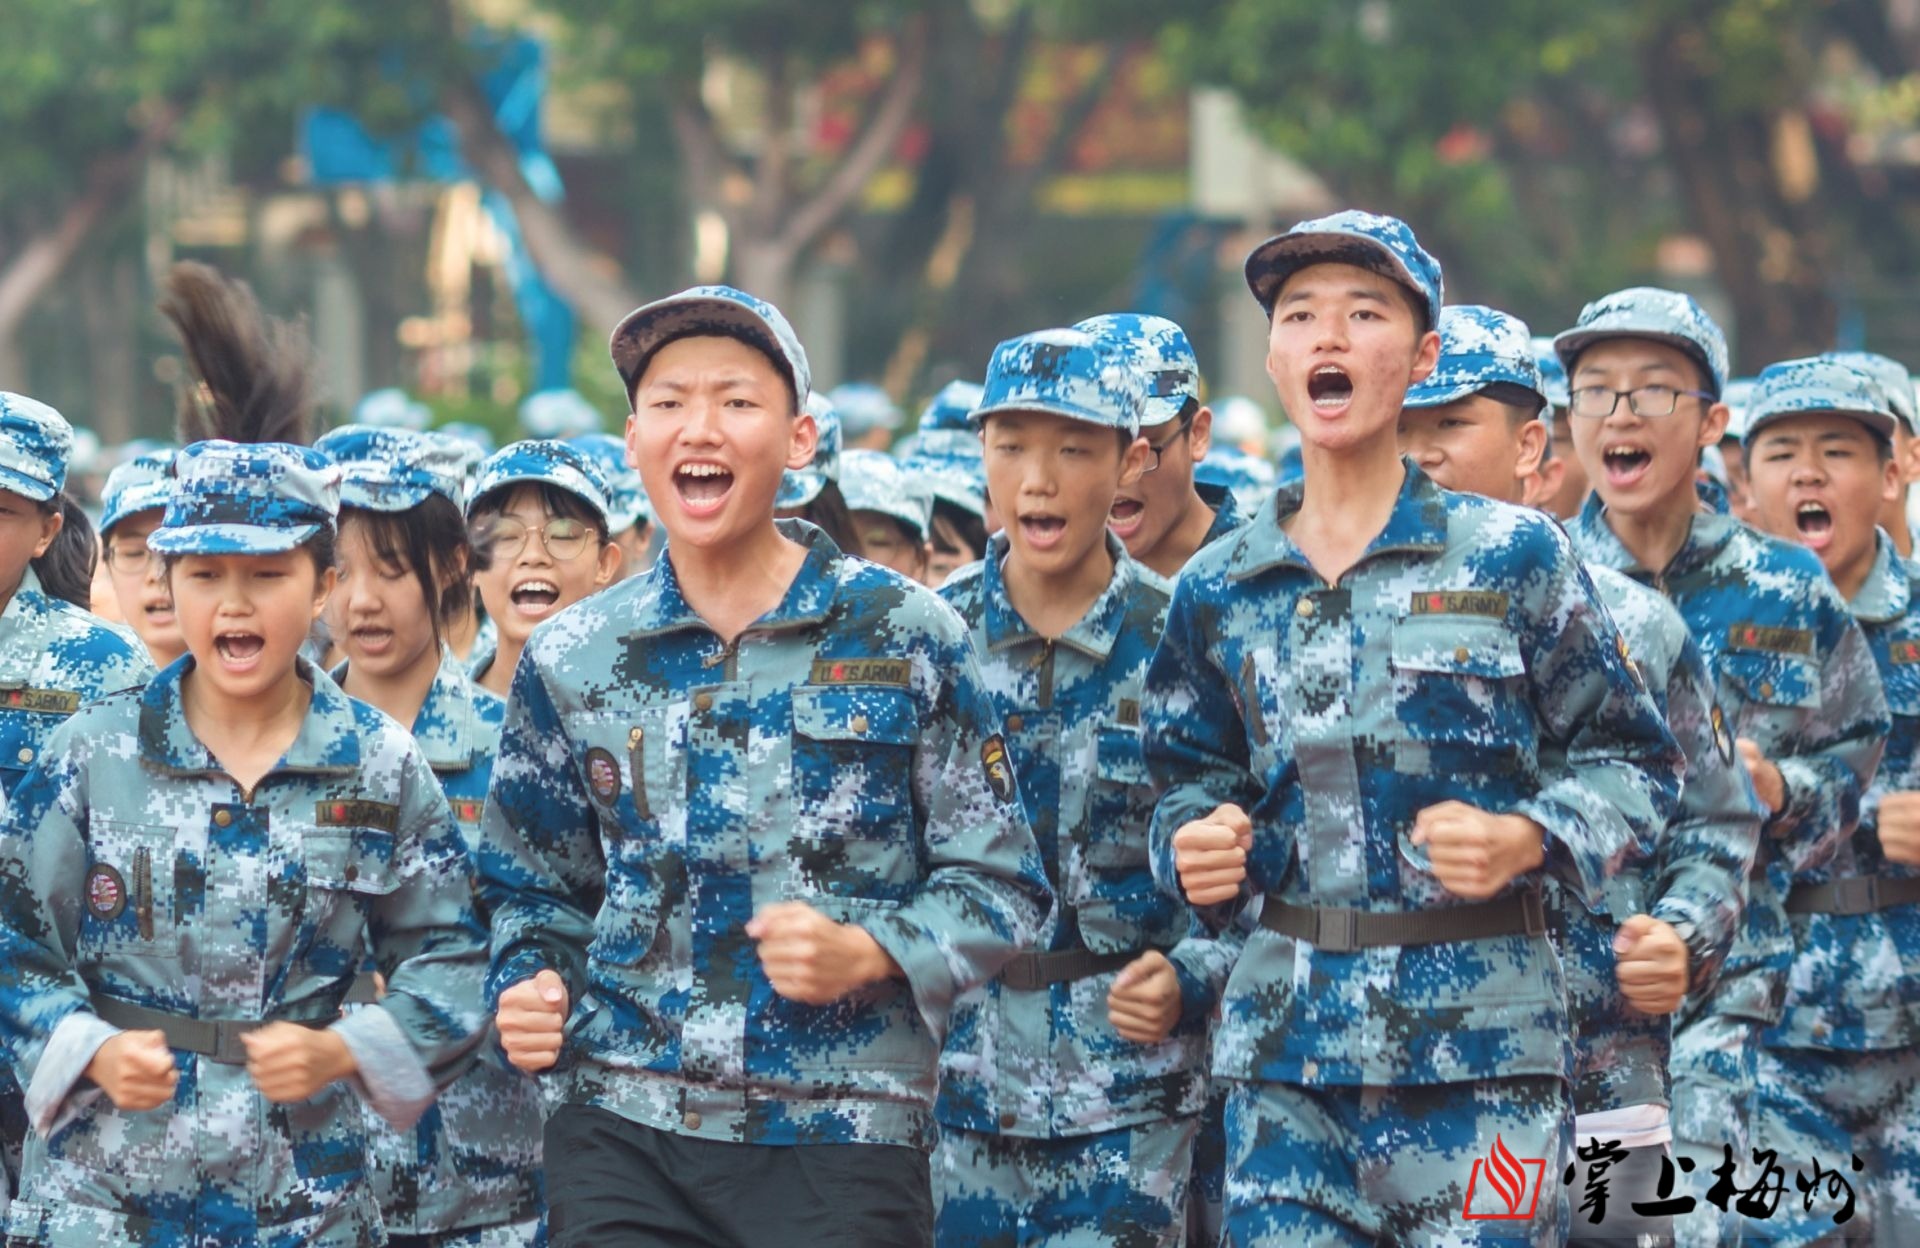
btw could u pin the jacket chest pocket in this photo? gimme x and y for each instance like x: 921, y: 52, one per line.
x: 852, y: 762
x: 1775, y: 693
x: 349, y: 863
x: 129, y: 903
x: 1460, y: 681
x: 22, y: 733
x: 633, y: 763
x: 1119, y: 801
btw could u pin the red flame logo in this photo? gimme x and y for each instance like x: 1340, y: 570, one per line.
x: 1506, y: 1175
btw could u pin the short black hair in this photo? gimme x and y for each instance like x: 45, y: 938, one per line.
x: 558, y: 502
x: 780, y: 367
x: 1360, y: 256
x: 1526, y: 401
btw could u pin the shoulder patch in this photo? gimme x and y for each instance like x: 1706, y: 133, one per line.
x: 1491, y: 603
x: 1904, y: 652
x: 45, y: 701
x: 993, y: 760
x: 862, y: 672
x: 358, y: 813
x: 1767, y: 640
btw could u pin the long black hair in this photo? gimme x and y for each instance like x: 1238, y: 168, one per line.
x: 66, y: 569
x: 428, y: 539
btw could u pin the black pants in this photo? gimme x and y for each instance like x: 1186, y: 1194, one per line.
x: 1635, y: 1177
x: 613, y: 1183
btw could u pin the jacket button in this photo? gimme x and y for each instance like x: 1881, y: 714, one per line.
x: 1303, y: 608
x: 352, y: 873
x: 26, y: 753
x: 1766, y: 688
x: 223, y: 817
x: 859, y: 723
x: 691, y: 1121
x: 1462, y: 654
x: 1009, y: 1121
x: 702, y: 701
x: 1016, y: 722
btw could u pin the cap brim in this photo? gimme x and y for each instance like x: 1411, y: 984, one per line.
x: 645, y: 330
x: 1439, y: 396
x: 132, y: 503
x: 384, y: 498
x: 1879, y: 422
x: 1570, y: 344
x: 25, y: 486
x: 229, y: 539
x: 1274, y: 261
x: 1079, y: 415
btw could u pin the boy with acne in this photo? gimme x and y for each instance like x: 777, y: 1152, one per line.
x: 752, y: 831
x: 1383, y: 713
x: 1668, y: 922
x: 1840, y: 1071
x: 1070, y: 1083
x: 1795, y: 682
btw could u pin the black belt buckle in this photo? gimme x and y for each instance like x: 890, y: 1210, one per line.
x: 1533, y: 912
x: 1859, y: 894
x: 1336, y: 930
x: 1023, y: 973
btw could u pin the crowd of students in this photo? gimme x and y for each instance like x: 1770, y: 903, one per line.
x: 739, y: 832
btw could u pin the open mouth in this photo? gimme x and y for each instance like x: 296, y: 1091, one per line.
x: 239, y: 649
x: 1042, y: 531
x: 535, y: 597
x: 1626, y: 464
x: 1329, y: 389
x: 1815, y: 523
x: 158, y: 612
x: 1125, y: 515
x: 702, y: 486
x: 370, y: 640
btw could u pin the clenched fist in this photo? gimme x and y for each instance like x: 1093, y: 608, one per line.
x: 813, y: 960
x: 531, y: 1019
x: 135, y: 1069
x: 1475, y: 854
x: 1651, y: 962
x: 1211, y: 855
x: 288, y: 1062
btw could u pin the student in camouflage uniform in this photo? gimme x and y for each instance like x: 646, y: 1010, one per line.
x: 1165, y: 516
x: 628, y: 518
x: 131, y: 505
x: 1475, y: 424
x: 1840, y: 1071
x: 1069, y: 1084
x: 1896, y: 385
x: 945, y: 455
x: 752, y: 831
x: 192, y: 875
x: 1796, y: 685
x: 54, y: 656
x: 1383, y: 712
x: 468, y: 1174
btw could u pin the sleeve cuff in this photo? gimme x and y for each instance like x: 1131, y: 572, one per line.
x: 1196, y: 993
x: 391, y: 1078
x: 929, y: 977
x: 51, y: 1095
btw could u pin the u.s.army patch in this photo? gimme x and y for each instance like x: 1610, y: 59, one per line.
x: 1722, y: 739
x: 1490, y: 603
x: 862, y: 672
x: 358, y: 813
x: 45, y: 701
x: 106, y: 892
x: 993, y: 759
x: 1904, y: 652
x: 1767, y: 640
x: 603, y: 775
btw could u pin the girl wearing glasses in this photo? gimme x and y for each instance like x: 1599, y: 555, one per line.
x: 539, y: 524
x: 469, y: 1171
x: 132, y: 504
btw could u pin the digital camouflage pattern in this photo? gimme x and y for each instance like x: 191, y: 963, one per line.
x: 1818, y: 383
x: 1479, y: 347
x: 626, y: 495
x: 138, y: 484
x: 704, y: 311
x: 1066, y: 372
x: 134, y: 867
x: 1367, y: 240
x: 1825, y: 1108
x: 800, y: 486
x: 1046, y: 1062
x: 1227, y: 515
x: 657, y: 786
x: 1464, y: 657
x: 473, y: 1159
x: 254, y: 498
x: 875, y: 481
x: 946, y: 453
x: 1159, y: 351
x: 1649, y: 312
x: 542, y: 462
x: 395, y: 469
x: 1230, y: 472
x: 35, y: 444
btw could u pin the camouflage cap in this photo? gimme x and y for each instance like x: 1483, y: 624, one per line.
x: 391, y: 408
x: 1649, y: 312
x: 952, y: 409
x: 142, y: 483
x: 626, y: 497
x: 1158, y: 349
x: 1738, y: 398
x: 1896, y: 383
x: 800, y: 486
x: 1479, y: 347
x: 875, y: 481
x: 1817, y: 384
x: 35, y: 444
x: 1065, y: 372
x: 706, y: 310
x: 1384, y: 245
x: 542, y: 461
x: 394, y: 469
x: 559, y: 414
x: 477, y: 436
x: 864, y: 407
x: 247, y: 498
x: 1238, y: 420
x: 1553, y: 374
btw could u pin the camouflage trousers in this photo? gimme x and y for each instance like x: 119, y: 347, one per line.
x: 1124, y: 1188
x: 1419, y: 1166
x: 1207, y: 1191
x: 1820, y: 1108
x: 1714, y: 1058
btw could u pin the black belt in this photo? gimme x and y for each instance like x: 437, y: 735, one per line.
x: 1863, y: 894
x: 1037, y: 970
x: 364, y: 990
x: 1334, y: 930
x: 216, y: 1038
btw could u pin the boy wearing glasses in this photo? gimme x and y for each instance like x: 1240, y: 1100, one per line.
x: 752, y: 830
x: 1380, y: 714
x: 1165, y: 516
x: 1477, y: 424
x: 1796, y: 684
x: 1840, y: 1072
